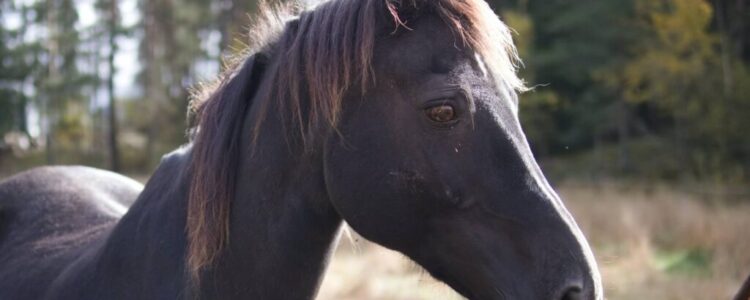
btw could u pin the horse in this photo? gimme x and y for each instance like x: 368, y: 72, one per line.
x: 398, y: 118
x: 744, y: 292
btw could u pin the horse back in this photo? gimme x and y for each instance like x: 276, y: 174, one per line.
x: 48, y: 218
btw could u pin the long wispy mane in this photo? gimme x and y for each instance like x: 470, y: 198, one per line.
x: 324, y: 52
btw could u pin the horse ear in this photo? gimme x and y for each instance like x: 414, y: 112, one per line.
x: 406, y: 6
x: 400, y: 12
x: 248, y: 76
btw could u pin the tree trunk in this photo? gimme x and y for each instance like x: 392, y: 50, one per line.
x: 153, y: 52
x: 225, y: 21
x: 50, y: 111
x: 623, y: 132
x: 725, y: 47
x: 114, y: 153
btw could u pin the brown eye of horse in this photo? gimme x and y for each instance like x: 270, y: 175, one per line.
x: 441, y: 113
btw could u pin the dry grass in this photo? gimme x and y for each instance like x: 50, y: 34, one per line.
x: 368, y: 271
x: 651, y: 243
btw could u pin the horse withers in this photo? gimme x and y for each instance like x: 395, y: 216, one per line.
x: 397, y: 117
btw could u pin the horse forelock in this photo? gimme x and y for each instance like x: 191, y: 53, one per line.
x: 323, y: 53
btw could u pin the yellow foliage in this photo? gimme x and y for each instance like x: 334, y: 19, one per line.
x: 675, y: 61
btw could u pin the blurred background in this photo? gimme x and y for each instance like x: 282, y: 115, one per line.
x: 638, y: 116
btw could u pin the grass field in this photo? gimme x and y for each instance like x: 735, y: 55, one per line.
x: 651, y: 243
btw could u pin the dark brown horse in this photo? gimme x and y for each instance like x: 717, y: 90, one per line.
x: 744, y: 292
x: 396, y: 116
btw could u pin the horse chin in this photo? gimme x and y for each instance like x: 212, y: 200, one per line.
x: 459, y: 287
x: 472, y: 291
x: 488, y: 292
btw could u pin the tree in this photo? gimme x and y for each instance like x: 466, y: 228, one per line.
x: 234, y: 20
x: 60, y: 88
x: 110, y: 18
x: 677, y: 70
x: 17, y: 65
x: 170, y: 50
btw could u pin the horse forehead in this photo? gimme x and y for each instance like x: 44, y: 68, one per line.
x: 426, y: 44
x: 429, y: 46
x: 421, y: 64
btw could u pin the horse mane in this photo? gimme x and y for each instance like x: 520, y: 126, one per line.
x: 325, y: 52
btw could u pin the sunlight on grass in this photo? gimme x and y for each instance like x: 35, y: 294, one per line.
x: 693, y: 262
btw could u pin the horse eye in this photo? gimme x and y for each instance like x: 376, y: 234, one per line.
x: 441, y: 113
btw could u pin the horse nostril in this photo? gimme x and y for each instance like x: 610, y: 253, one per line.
x: 572, y: 293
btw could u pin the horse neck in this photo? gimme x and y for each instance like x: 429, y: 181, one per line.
x: 281, y: 231
x: 282, y: 227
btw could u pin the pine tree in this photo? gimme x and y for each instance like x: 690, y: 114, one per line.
x: 110, y: 17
